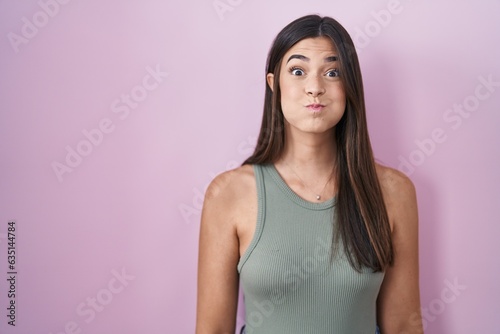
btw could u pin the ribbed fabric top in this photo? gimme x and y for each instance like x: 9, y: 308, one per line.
x: 289, y: 284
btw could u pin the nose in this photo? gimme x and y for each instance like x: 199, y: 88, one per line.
x: 315, y: 86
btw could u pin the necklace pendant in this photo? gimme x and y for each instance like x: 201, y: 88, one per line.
x: 318, y: 197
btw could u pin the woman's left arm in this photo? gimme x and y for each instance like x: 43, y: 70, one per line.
x: 398, y: 303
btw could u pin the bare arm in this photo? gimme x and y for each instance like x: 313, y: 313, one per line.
x: 218, y: 258
x: 398, y: 304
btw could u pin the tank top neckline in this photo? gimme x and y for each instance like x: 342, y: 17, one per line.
x: 285, y: 188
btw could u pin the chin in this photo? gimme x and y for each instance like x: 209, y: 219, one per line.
x: 316, y: 129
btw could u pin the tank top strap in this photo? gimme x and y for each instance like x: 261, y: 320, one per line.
x: 261, y: 204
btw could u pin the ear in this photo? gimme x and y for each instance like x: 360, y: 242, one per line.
x: 270, y: 80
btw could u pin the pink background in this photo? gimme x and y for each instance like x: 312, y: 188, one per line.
x: 132, y: 203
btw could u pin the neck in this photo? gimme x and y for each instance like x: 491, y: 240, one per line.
x: 307, y: 164
x: 310, y: 152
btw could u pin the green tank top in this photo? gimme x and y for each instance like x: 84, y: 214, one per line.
x: 290, y: 285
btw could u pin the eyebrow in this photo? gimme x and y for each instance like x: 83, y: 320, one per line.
x: 304, y: 58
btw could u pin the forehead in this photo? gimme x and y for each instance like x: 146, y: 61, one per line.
x: 319, y: 46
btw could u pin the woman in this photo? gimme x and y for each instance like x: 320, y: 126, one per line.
x: 324, y: 239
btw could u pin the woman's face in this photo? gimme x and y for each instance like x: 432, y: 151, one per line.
x: 312, y: 95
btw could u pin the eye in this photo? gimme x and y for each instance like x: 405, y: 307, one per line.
x: 296, y: 71
x: 333, y: 73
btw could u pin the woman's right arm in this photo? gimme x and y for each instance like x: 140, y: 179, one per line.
x: 217, y: 261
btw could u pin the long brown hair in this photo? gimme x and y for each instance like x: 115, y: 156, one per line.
x: 363, y: 223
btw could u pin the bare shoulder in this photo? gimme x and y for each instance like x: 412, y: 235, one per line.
x: 230, y: 195
x: 231, y: 185
x: 393, y: 182
x: 399, y: 195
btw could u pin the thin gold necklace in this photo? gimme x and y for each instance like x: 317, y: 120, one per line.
x: 318, y: 196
